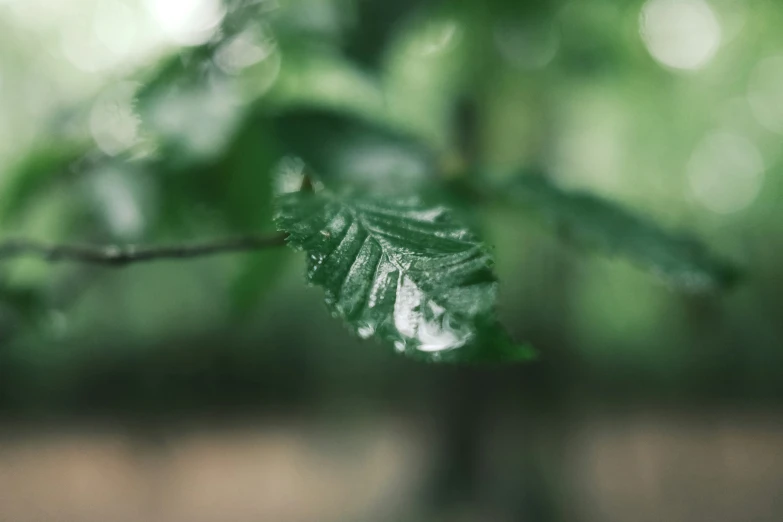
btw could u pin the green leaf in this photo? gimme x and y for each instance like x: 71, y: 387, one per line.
x: 401, y: 271
x: 595, y: 222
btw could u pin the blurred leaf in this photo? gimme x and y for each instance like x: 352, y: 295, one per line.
x: 246, y: 173
x: 594, y: 222
x: 19, y: 306
x: 317, y: 78
x: 415, y: 92
x: 344, y: 149
x: 178, y: 70
x: 244, y: 176
x: 401, y: 271
x: 234, y: 193
x: 193, y: 123
x: 375, y: 25
x: 35, y: 173
x: 426, y: 68
x: 257, y: 275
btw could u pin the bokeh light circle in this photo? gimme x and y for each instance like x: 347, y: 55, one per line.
x: 680, y: 34
x: 725, y: 172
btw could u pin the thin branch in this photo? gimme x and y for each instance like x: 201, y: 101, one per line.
x: 123, y: 255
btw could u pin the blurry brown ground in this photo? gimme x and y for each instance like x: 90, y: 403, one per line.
x: 658, y: 465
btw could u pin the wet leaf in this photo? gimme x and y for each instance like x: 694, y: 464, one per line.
x: 401, y: 271
x: 597, y: 223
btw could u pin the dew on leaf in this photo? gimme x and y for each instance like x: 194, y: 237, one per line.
x: 395, y: 270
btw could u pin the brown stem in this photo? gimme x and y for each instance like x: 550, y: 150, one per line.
x: 123, y: 255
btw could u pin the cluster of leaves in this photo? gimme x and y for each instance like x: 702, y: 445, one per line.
x: 386, y: 234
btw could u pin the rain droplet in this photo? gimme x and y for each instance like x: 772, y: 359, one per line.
x: 366, y: 331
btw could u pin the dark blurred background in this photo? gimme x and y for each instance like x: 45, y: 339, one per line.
x: 220, y: 389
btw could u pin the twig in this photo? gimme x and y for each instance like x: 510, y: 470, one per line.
x: 123, y: 255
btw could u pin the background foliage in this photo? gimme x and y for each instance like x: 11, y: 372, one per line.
x: 126, y: 122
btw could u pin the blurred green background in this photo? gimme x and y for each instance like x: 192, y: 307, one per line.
x: 154, y: 121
